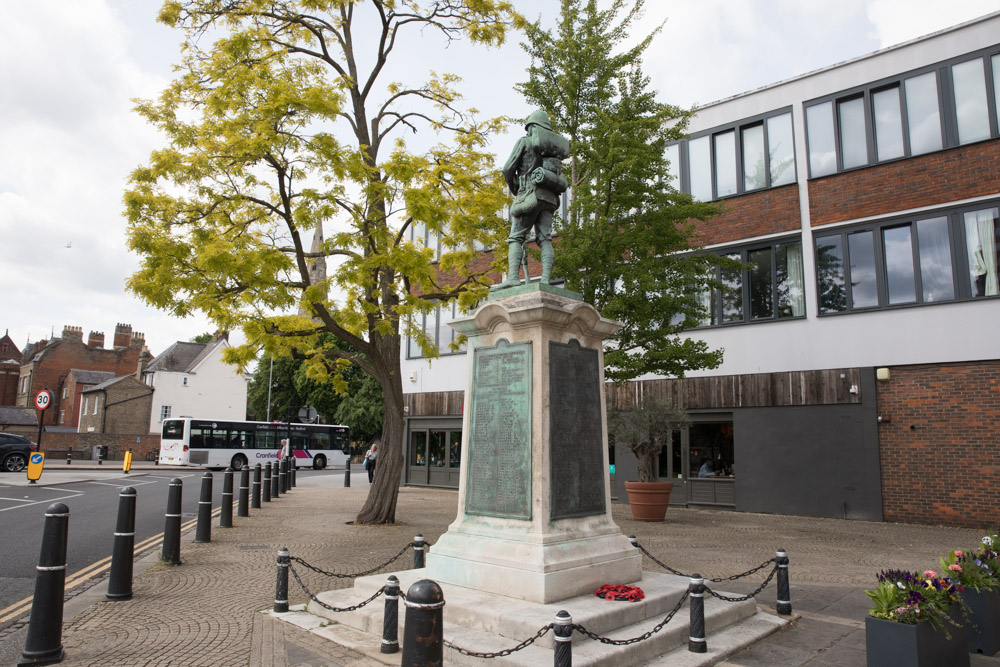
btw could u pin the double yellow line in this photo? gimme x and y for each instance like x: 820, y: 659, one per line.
x: 24, y: 606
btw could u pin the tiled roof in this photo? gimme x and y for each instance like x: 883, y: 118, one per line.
x: 178, y: 358
x: 90, y: 377
x: 18, y: 416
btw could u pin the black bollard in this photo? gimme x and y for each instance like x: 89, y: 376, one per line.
x: 563, y: 634
x: 696, y: 594
x: 69, y: 456
x: 243, y: 507
x: 100, y: 455
x: 423, y: 637
x: 390, y: 617
x: 226, y: 513
x: 281, y: 589
x: 123, y: 551
x: 634, y: 540
x: 172, y: 530
x: 418, y: 551
x: 293, y: 469
x: 267, y: 483
x: 255, y: 489
x: 275, y: 480
x: 203, y: 532
x: 283, y: 476
x: 347, y: 472
x: 44, y: 642
x: 784, y: 603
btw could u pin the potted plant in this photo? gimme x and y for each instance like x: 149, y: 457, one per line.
x: 916, y: 621
x: 644, y: 430
x: 978, y: 572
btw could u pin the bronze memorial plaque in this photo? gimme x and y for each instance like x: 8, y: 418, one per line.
x: 499, y: 472
x: 575, y: 431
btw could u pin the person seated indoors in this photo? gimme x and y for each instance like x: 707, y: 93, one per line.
x: 706, y: 469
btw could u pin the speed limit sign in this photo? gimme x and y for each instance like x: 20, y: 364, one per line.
x: 43, y: 399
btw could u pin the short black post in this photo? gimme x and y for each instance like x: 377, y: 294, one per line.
x: 44, y: 642
x: 69, y: 456
x: 281, y: 590
x: 293, y: 467
x: 347, y: 472
x: 784, y: 603
x: 203, y: 532
x: 418, y: 551
x: 563, y: 634
x: 226, y: 513
x: 390, y: 618
x: 255, y: 491
x: 123, y: 551
x: 243, y: 507
x: 634, y: 540
x: 172, y: 530
x: 100, y: 454
x: 696, y: 595
x: 267, y: 483
x: 283, y: 475
x: 423, y: 639
x: 275, y: 481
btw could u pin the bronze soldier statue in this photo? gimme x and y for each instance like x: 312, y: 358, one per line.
x: 534, y: 175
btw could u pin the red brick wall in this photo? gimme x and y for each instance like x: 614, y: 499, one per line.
x: 755, y: 214
x: 940, y: 447
x: 957, y: 173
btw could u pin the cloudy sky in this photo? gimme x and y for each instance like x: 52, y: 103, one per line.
x: 68, y: 138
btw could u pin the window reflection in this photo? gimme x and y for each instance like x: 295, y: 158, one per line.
x: 781, y: 149
x: 731, y: 296
x: 899, y: 273
x: 923, y: 119
x: 437, y: 452
x: 935, y: 260
x: 455, y: 449
x: 830, y: 275
x: 725, y: 163
x: 754, y: 169
x: 700, y: 163
x: 970, y: 101
x: 888, y: 124
x: 711, y: 450
x: 418, y: 449
x: 789, y: 279
x: 761, y: 294
x: 673, y: 154
x: 853, y: 146
x: 861, y: 249
x: 822, y: 148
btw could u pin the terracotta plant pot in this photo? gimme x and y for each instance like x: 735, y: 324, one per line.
x: 648, y: 500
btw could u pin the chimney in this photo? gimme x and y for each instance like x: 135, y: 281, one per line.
x: 144, y: 358
x: 123, y: 335
x: 221, y: 335
x: 138, y: 340
x: 95, y: 339
x: 74, y: 334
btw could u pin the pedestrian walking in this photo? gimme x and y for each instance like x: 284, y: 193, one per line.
x: 370, y: 459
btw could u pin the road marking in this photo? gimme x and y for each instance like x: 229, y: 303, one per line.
x: 16, y: 500
x: 41, y: 502
x: 24, y: 606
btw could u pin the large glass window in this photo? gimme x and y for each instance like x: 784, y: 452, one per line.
x: 418, y: 449
x: 895, y: 263
x: 971, y: 110
x: 923, y: 118
x: 700, y: 164
x: 853, y: 138
x: 673, y: 154
x: 781, y: 149
x: 435, y: 326
x: 888, y: 124
x: 772, y: 285
x: 822, y: 145
x: 982, y: 242
x: 754, y: 167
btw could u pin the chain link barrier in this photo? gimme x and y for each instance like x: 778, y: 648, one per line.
x: 313, y: 598
x: 354, y: 575
x: 507, y: 651
x: 717, y: 580
x: 625, y: 642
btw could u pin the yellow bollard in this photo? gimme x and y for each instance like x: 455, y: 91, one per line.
x: 127, y: 463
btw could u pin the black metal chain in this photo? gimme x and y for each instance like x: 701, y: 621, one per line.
x: 507, y: 651
x: 634, y: 640
x: 313, y: 598
x: 732, y: 578
x: 356, y: 574
x: 745, y: 597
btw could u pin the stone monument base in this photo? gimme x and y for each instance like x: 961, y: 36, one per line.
x: 485, y: 622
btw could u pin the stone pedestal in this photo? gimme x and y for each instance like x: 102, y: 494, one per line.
x: 534, y: 503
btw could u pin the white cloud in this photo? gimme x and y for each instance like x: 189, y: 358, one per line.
x: 895, y: 22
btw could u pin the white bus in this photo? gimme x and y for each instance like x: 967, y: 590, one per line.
x: 217, y: 443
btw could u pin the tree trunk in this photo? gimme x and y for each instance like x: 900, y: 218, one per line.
x: 380, y: 507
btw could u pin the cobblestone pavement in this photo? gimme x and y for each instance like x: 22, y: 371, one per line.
x: 206, y: 611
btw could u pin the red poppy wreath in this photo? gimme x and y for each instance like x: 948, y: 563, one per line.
x: 620, y: 592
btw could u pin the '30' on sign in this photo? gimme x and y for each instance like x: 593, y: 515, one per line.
x: 43, y: 399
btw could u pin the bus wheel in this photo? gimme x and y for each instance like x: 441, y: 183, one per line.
x: 239, y: 462
x: 319, y: 462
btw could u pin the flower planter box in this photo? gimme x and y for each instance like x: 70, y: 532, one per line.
x: 920, y: 645
x: 984, y: 621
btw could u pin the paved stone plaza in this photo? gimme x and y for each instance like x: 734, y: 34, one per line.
x: 205, y: 612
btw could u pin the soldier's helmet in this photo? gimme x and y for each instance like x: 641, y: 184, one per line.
x: 539, y: 118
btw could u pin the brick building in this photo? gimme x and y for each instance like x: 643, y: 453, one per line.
x: 861, y: 376
x: 10, y: 369
x: 118, y: 406
x: 47, y: 364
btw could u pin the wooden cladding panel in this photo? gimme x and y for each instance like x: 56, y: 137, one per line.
x: 436, y: 403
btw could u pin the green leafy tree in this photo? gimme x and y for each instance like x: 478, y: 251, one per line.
x: 206, y: 337
x: 282, y: 119
x: 627, y: 241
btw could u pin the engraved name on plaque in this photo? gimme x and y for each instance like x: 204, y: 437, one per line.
x: 499, y: 465
x: 575, y: 431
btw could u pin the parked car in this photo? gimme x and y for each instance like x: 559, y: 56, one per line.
x: 14, y: 452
